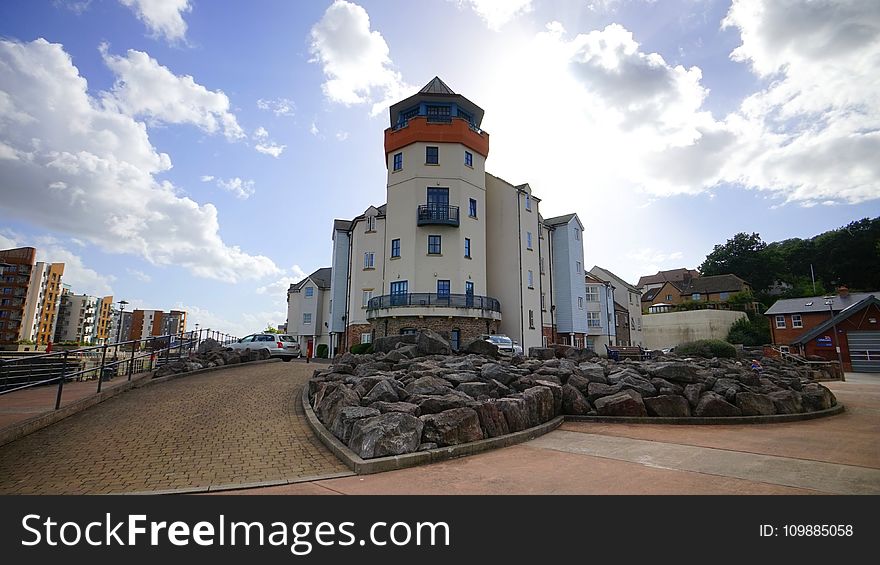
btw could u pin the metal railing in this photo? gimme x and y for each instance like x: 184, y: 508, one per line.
x: 437, y: 214
x: 433, y: 299
x: 100, y: 362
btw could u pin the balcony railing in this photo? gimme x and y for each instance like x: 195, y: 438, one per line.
x: 437, y: 214
x: 418, y: 299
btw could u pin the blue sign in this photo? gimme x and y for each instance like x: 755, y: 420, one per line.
x: 824, y: 341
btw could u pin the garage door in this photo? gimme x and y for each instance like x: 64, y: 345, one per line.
x: 864, y: 351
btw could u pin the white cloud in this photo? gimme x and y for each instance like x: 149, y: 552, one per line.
x: 247, y: 323
x: 278, y: 106
x: 313, y: 129
x: 139, y: 275
x: 265, y: 145
x: 89, y: 171
x: 242, y: 189
x: 341, y: 135
x: 496, y: 13
x: 144, y: 88
x: 77, y: 6
x: 82, y: 280
x: 207, y: 178
x: 355, y: 59
x: 162, y: 17
x: 648, y: 260
x: 279, y: 288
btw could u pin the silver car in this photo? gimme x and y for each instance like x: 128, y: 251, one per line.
x: 503, y: 342
x: 283, y: 346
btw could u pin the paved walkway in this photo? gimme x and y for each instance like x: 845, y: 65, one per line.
x: 238, y: 426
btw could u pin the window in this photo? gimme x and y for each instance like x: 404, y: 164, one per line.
x: 543, y: 302
x: 472, y: 208
x: 432, y: 156
x: 369, y: 260
x: 433, y: 245
x: 531, y: 279
x: 723, y: 295
x: 439, y: 114
x: 467, y: 247
x: 588, y: 343
x: 592, y: 293
x: 395, y: 248
x: 442, y: 289
x: 577, y: 267
x: 366, y: 296
x: 398, y: 293
x: 310, y: 291
x: 455, y: 339
x: 593, y: 320
x: 695, y: 296
x: 468, y: 159
x: 780, y: 322
x: 796, y: 321
x: 528, y: 239
x: 577, y: 235
x: 367, y: 337
x: 528, y: 203
x: 531, y: 319
x: 630, y: 298
x: 541, y: 265
x: 581, y: 302
x: 398, y: 161
x: 371, y: 223
x: 668, y: 298
x: 307, y: 318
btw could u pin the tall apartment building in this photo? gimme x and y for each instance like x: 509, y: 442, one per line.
x: 454, y: 248
x: 630, y: 298
x: 30, y: 293
x: 79, y: 318
x: 120, y: 325
x: 105, y: 315
x: 148, y: 323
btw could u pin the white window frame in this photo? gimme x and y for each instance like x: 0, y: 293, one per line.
x: 528, y: 203
x: 594, y: 320
x: 531, y: 279
x: 577, y: 267
x: 369, y: 260
x: 307, y: 318
x: 366, y: 295
x: 371, y: 223
x: 780, y: 322
x: 696, y: 296
x: 592, y: 293
x: 367, y: 337
x: 310, y: 292
x: 528, y: 240
x: 797, y: 321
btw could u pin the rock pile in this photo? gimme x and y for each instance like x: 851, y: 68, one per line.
x: 412, y: 394
x: 209, y: 354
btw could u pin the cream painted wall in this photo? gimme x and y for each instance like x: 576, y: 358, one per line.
x: 361, y: 278
x: 674, y: 328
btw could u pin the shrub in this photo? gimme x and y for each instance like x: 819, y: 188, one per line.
x: 361, y: 348
x: 706, y: 348
x: 322, y: 351
x: 751, y: 331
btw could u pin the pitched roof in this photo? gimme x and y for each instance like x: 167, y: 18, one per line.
x: 651, y: 294
x: 672, y: 275
x: 615, y: 277
x: 714, y: 283
x: 341, y: 225
x: 843, y: 315
x: 557, y: 220
x: 436, y: 86
x: 817, y: 303
x: 321, y: 278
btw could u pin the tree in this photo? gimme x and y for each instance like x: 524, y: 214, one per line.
x: 270, y: 330
x: 750, y: 331
x: 744, y: 256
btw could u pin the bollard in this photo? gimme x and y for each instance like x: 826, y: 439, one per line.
x: 103, y: 359
x: 131, y: 360
x: 61, y: 381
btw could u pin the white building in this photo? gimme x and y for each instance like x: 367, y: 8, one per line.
x: 631, y: 298
x: 77, y: 318
x: 454, y: 248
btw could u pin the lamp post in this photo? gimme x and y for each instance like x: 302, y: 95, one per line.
x: 122, y: 304
x: 829, y: 301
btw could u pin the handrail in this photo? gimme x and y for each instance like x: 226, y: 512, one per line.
x: 434, y: 299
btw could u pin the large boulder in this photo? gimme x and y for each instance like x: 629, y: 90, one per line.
x: 430, y: 342
x: 383, y: 391
x: 624, y: 403
x: 816, y: 397
x: 328, y: 405
x: 592, y: 372
x: 543, y: 400
x: 492, y: 420
x: 752, y: 404
x: 429, y: 386
x: 404, y: 407
x: 392, y: 342
x: 573, y: 353
x: 713, y: 405
x: 452, y: 427
x: 692, y: 392
x: 787, y: 401
x: 393, y: 433
x: 556, y: 389
x: 677, y: 372
x: 596, y: 391
x: 482, y: 347
x: 515, y: 413
x: 345, y: 419
x: 494, y: 371
x: 668, y: 406
x: 574, y: 402
x: 580, y: 383
x: 435, y: 404
x: 542, y: 352
x: 208, y: 346
x: 479, y: 390
x: 463, y: 377
x: 638, y: 384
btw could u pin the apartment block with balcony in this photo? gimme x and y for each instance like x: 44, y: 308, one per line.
x: 454, y: 248
x: 42, y: 303
x: 16, y: 265
x: 77, y: 318
x: 152, y: 323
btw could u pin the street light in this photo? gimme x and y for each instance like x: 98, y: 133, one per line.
x: 122, y: 304
x: 829, y: 301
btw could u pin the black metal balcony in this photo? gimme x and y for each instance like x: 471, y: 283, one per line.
x: 419, y: 299
x: 437, y: 214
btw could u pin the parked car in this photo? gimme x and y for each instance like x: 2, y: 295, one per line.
x: 283, y: 346
x: 503, y: 342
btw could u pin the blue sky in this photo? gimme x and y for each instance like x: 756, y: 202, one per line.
x: 186, y: 153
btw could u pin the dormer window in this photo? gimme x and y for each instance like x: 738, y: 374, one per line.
x: 371, y: 223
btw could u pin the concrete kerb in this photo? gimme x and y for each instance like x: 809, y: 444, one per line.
x: 381, y: 464
x: 693, y: 420
x: 240, y: 486
x: 40, y: 421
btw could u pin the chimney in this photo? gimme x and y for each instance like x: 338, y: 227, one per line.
x: 842, y: 291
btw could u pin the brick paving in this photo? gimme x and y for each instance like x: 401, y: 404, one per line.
x: 237, y: 426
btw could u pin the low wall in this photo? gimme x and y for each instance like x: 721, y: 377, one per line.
x: 674, y: 328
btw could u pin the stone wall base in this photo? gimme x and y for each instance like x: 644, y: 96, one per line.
x: 469, y: 328
x: 353, y: 335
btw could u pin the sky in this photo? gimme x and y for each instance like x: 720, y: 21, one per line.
x: 193, y: 154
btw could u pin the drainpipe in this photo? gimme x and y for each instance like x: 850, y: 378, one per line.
x: 348, y: 288
x: 522, y: 330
